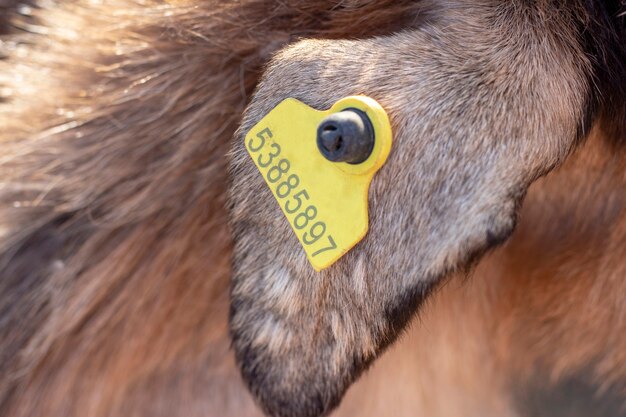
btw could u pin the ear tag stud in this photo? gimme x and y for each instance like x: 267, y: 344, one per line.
x: 319, y: 165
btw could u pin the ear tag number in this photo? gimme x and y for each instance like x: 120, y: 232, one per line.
x: 326, y: 203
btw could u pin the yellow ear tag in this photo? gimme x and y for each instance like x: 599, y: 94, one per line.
x: 326, y: 203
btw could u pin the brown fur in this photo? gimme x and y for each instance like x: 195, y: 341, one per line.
x: 460, y: 165
x: 105, y: 197
x: 115, y: 249
x: 545, y: 303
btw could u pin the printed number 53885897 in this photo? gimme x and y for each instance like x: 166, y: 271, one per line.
x: 285, y: 186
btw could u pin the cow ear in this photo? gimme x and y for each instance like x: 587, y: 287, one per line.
x: 476, y: 119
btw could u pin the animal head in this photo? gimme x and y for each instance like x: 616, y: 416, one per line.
x: 479, y: 107
x: 115, y: 248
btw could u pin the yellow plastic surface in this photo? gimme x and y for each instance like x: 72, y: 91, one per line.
x: 326, y: 203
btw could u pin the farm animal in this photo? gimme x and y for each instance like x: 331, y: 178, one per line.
x: 134, y: 224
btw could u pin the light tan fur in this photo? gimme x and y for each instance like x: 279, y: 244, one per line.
x: 116, y: 121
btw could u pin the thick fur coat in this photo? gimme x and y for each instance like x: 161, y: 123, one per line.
x: 118, y: 128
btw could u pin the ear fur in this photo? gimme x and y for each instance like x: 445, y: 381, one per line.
x: 483, y: 102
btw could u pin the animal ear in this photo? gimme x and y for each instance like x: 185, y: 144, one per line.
x: 478, y: 112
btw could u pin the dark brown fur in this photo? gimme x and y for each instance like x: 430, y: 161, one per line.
x: 115, y: 253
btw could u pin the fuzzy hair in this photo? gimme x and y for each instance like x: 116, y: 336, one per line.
x: 115, y: 123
